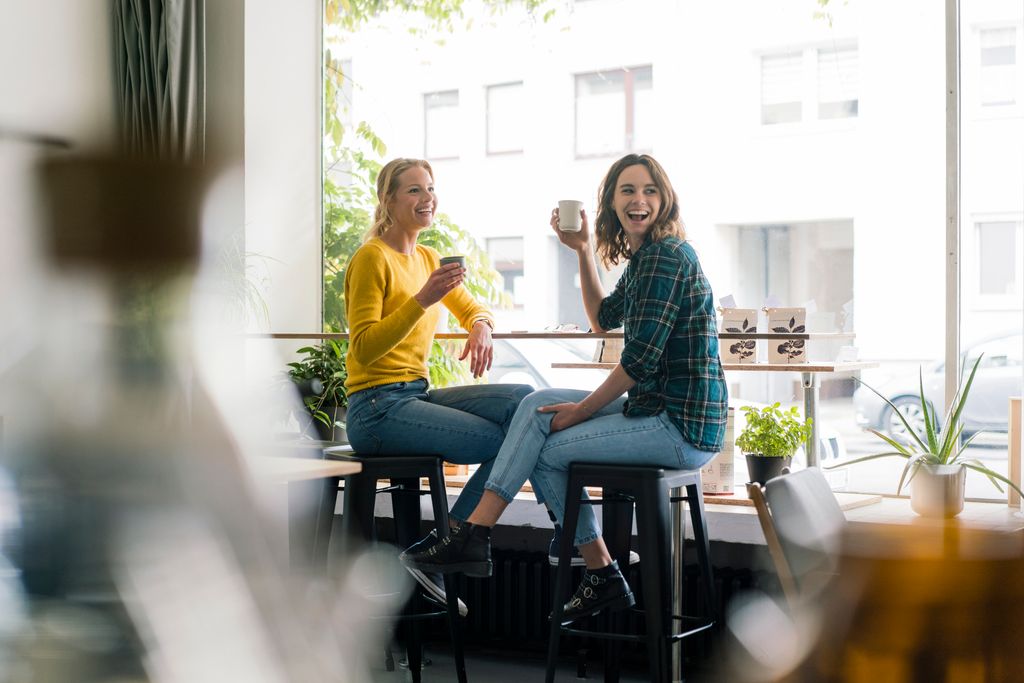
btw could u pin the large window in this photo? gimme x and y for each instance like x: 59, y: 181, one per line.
x: 613, y: 111
x: 441, y: 125
x: 807, y: 154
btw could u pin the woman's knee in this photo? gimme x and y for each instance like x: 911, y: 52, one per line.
x: 542, y: 397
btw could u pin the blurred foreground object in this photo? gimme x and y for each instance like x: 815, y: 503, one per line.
x: 134, y: 548
x: 923, y: 603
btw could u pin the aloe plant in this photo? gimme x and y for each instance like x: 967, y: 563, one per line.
x: 941, y: 443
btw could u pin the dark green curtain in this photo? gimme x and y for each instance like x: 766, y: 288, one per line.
x: 159, y: 57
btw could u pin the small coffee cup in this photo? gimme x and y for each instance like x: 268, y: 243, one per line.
x: 461, y: 260
x: 569, y: 215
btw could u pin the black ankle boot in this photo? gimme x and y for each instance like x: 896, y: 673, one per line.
x: 600, y: 589
x: 467, y: 549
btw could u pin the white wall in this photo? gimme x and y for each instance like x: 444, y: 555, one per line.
x: 56, y: 78
x: 282, y: 159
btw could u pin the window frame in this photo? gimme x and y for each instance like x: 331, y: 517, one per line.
x: 972, y: 254
x: 426, y: 127
x: 629, y: 93
x: 487, y: 120
x: 810, y: 120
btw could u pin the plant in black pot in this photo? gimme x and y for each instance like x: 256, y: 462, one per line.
x: 769, y: 440
x: 320, y: 375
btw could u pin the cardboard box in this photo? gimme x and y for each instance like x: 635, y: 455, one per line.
x: 783, y: 320
x: 738, y: 320
x: 718, y: 474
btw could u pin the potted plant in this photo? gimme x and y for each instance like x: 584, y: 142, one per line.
x: 936, y: 468
x: 770, y: 438
x: 320, y: 375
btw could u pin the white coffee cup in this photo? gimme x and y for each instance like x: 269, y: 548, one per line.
x: 569, y: 215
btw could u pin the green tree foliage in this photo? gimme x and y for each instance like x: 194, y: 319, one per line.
x: 359, y: 153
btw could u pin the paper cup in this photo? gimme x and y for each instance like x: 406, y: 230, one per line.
x: 461, y: 260
x: 569, y: 215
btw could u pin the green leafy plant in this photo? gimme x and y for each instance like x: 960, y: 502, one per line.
x: 352, y: 158
x: 941, y: 443
x: 323, y: 370
x: 773, y: 432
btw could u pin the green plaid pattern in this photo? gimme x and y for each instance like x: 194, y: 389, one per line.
x: 665, y: 306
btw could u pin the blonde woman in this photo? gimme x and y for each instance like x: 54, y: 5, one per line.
x: 394, y: 289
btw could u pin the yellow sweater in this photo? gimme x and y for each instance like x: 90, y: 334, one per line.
x: 389, y: 332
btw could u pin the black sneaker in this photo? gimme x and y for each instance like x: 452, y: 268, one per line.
x: 577, y: 559
x: 433, y: 584
x: 420, y: 545
x: 598, y: 592
x: 467, y: 549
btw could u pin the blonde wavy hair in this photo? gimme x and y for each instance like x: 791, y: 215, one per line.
x: 612, y: 246
x: 387, y: 187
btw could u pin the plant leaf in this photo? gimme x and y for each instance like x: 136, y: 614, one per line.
x: 865, y: 458
x: 929, y: 427
x: 993, y: 475
x: 892, y: 442
x: 896, y: 410
x: 911, y: 462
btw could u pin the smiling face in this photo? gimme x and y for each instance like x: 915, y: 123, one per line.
x: 637, y: 203
x: 414, y: 202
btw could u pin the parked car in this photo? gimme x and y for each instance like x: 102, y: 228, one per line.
x: 999, y: 377
x: 528, y: 361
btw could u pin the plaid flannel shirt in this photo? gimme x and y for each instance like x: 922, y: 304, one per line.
x: 665, y: 305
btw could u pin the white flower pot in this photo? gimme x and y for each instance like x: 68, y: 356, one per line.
x: 938, y: 490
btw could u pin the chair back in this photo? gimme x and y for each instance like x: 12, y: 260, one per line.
x: 802, y: 522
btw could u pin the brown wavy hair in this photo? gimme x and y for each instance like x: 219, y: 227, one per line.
x: 387, y: 187
x: 612, y: 246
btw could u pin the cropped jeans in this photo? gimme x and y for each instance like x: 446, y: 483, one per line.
x: 465, y: 425
x: 531, y: 451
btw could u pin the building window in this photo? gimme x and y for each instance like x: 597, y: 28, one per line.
x: 837, y: 83
x: 999, y: 259
x: 813, y: 83
x: 507, y: 258
x: 781, y: 88
x: 505, y: 113
x: 998, y: 66
x: 441, y: 125
x: 614, y: 111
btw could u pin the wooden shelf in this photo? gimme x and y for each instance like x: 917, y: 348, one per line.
x: 851, y: 366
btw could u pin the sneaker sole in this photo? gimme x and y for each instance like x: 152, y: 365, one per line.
x: 622, y: 602
x: 475, y: 569
x: 578, y: 561
x: 435, y: 591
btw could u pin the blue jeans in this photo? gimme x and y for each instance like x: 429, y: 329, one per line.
x: 465, y: 425
x: 531, y: 452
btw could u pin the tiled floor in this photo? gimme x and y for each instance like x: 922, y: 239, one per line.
x: 494, y: 668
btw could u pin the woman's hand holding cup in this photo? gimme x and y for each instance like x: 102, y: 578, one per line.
x: 575, y: 239
x: 441, y: 281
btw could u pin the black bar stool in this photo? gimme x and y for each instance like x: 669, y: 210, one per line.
x: 649, y: 489
x: 403, y: 473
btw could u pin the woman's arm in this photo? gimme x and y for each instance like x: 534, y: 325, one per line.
x: 569, y: 414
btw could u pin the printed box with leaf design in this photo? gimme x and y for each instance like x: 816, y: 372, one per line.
x: 740, y: 321
x: 781, y: 321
